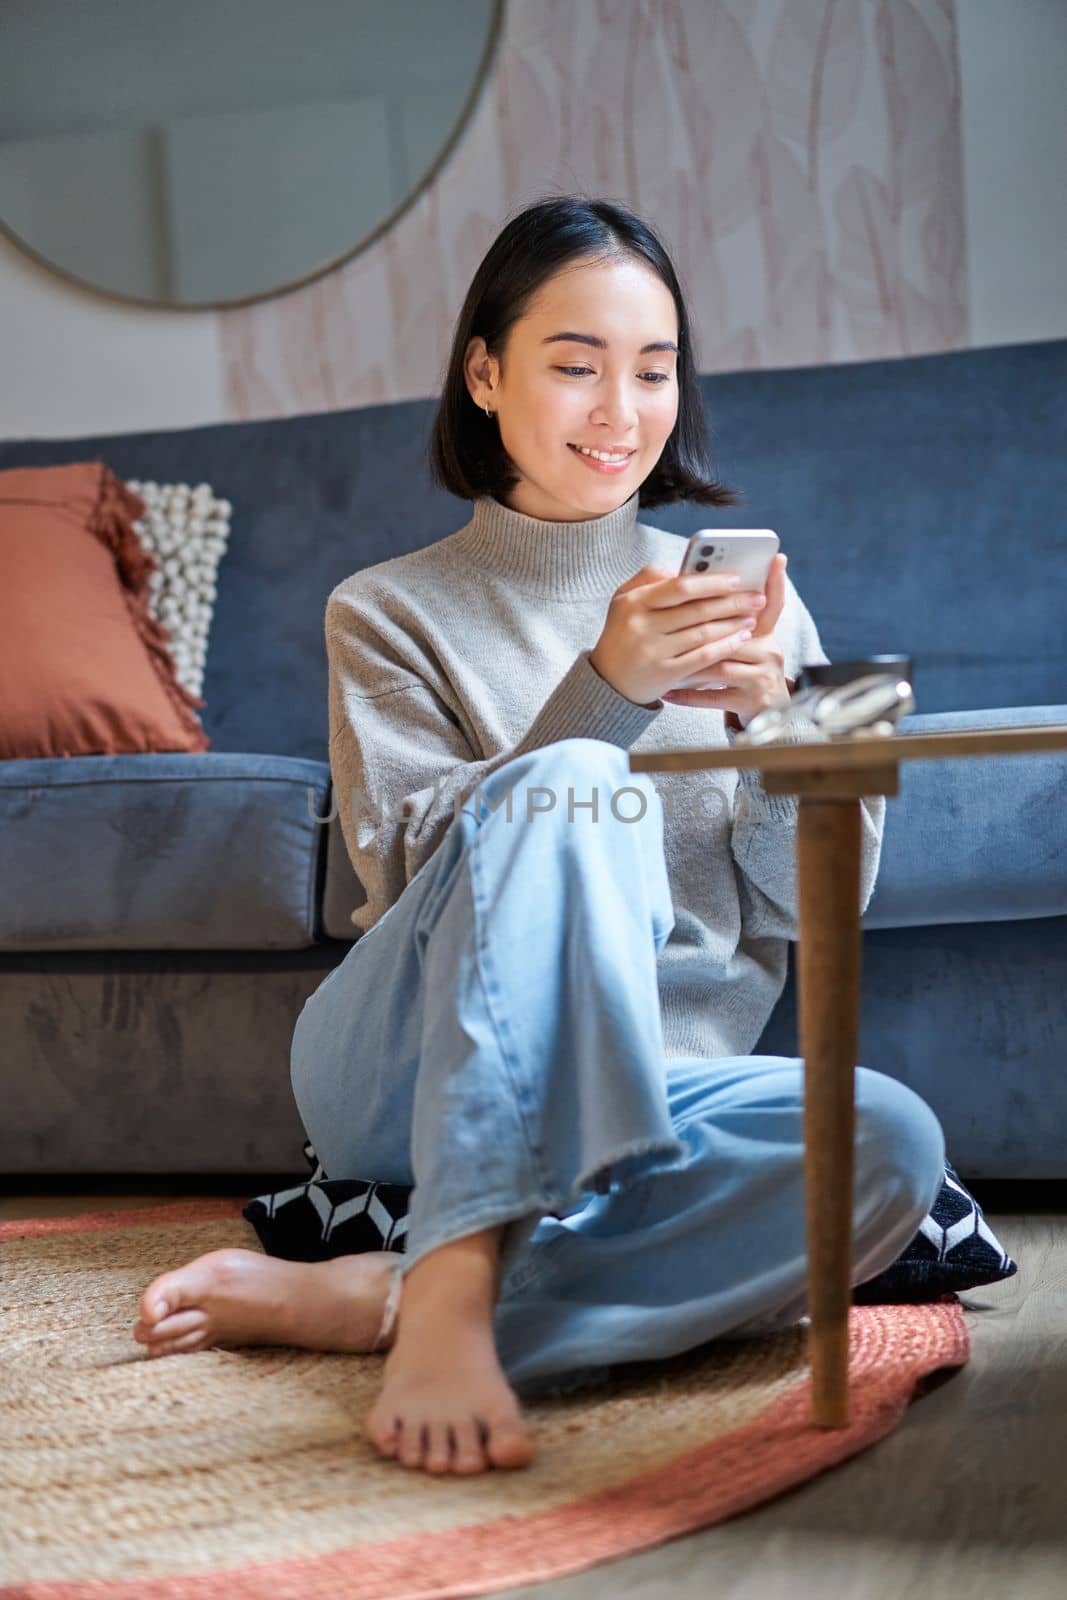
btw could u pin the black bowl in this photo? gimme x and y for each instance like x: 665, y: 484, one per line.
x: 824, y: 675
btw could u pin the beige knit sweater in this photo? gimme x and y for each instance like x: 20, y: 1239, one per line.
x: 446, y: 663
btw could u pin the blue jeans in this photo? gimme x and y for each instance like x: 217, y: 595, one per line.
x: 495, y: 1040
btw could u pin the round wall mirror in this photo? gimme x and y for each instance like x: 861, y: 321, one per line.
x: 219, y: 151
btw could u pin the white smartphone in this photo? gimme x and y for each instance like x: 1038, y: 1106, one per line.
x: 748, y: 552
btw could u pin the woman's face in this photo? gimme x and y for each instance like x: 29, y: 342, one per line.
x: 610, y: 385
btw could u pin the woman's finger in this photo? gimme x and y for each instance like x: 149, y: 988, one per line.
x: 738, y: 672
x: 706, y: 699
x: 775, y: 592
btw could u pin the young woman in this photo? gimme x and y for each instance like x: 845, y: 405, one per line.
x: 546, y: 1024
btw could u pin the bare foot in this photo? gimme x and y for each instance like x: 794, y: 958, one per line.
x: 445, y: 1404
x: 239, y: 1297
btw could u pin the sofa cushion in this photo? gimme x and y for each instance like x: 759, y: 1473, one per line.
x: 972, y: 839
x: 161, y: 852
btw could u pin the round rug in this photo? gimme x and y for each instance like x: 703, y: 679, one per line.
x: 245, y: 1472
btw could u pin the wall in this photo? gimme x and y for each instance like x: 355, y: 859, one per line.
x: 1013, y: 59
x: 838, y: 180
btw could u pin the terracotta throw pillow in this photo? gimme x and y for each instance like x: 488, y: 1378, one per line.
x: 85, y: 668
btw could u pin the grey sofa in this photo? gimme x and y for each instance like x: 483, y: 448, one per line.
x: 164, y: 917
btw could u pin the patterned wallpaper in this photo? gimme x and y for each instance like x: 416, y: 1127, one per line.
x: 801, y: 158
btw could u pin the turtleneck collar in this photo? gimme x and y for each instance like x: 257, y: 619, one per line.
x: 568, y: 560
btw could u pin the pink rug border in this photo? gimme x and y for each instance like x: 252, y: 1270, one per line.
x: 699, y: 1488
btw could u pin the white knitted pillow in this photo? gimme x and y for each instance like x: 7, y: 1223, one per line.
x: 187, y: 530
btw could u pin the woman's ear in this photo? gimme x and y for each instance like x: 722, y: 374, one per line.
x: 478, y: 371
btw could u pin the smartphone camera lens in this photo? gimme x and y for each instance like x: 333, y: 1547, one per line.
x: 700, y: 566
x: 707, y: 550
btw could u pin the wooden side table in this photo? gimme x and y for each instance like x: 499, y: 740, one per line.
x: 829, y: 778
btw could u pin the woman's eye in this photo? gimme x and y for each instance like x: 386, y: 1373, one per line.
x: 578, y: 372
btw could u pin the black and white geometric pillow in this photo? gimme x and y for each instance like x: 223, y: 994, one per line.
x: 955, y: 1248
x: 328, y: 1217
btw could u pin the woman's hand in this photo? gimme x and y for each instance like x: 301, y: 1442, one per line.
x: 663, y: 627
x: 753, y: 671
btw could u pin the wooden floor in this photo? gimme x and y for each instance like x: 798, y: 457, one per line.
x: 967, y: 1497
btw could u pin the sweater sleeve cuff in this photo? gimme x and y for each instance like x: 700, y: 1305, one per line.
x: 585, y: 706
x: 778, y: 807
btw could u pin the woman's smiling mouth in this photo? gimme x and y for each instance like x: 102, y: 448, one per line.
x: 603, y: 460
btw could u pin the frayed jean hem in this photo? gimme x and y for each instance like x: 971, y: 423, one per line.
x: 472, y: 1219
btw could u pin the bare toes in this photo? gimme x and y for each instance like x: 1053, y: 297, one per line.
x: 161, y: 1299
x: 384, y: 1437
x: 186, y: 1287
x: 411, y: 1444
x: 469, y: 1456
x: 439, y: 1450
x: 174, y: 1347
x: 172, y: 1327
x: 508, y: 1444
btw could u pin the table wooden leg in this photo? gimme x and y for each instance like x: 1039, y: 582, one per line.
x: 828, y: 993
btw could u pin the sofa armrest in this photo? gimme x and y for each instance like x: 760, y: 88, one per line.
x: 974, y: 840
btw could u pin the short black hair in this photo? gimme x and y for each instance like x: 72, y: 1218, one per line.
x: 467, y: 456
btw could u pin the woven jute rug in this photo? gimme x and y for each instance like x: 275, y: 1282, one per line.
x: 245, y: 1473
